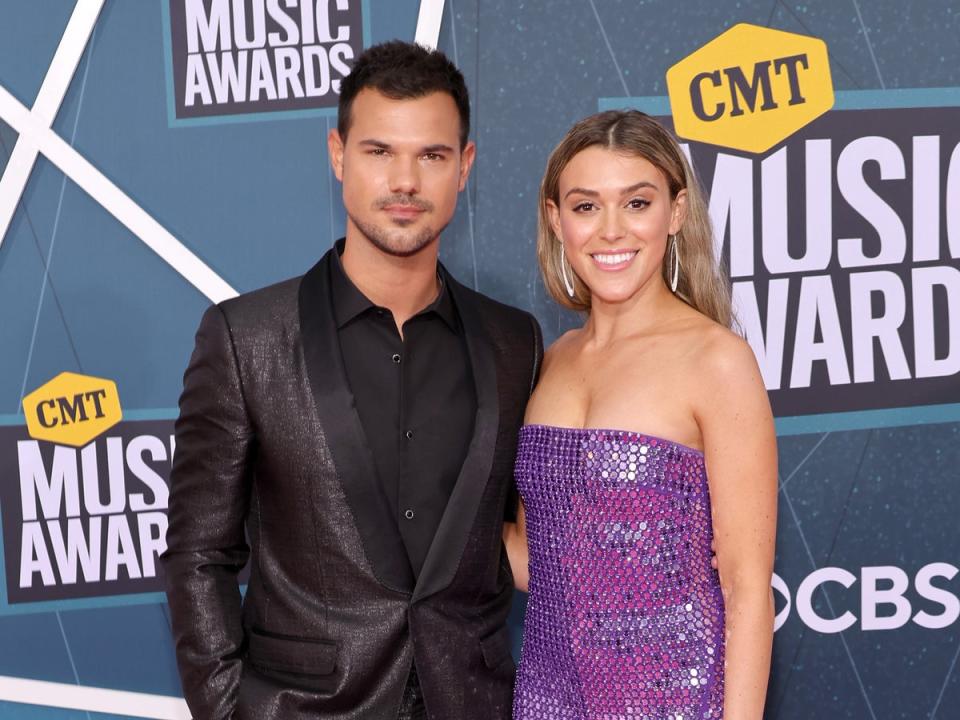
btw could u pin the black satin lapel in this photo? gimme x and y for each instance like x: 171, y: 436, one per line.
x: 448, y: 545
x: 341, y: 426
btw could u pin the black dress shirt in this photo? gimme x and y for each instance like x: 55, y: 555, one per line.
x: 416, y: 401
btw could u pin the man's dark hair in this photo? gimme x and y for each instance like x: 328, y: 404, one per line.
x: 403, y: 71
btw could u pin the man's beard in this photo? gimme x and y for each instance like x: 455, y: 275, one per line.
x: 395, y: 241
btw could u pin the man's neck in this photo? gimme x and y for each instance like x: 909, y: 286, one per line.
x: 403, y: 285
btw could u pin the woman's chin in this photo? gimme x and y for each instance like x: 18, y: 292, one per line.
x: 612, y: 296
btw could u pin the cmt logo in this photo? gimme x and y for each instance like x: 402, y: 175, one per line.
x: 72, y: 409
x: 750, y: 88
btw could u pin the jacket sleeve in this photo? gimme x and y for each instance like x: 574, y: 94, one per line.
x: 536, y: 356
x: 210, y: 485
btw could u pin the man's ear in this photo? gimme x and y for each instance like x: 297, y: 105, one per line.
x: 467, y: 156
x: 335, y: 149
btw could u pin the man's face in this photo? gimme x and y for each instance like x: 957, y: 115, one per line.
x: 401, y: 169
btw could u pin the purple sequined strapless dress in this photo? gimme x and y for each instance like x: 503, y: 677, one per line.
x: 625, y: 615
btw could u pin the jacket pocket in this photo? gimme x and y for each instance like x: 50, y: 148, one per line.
x: 495, y: 647
x: 286, y: 653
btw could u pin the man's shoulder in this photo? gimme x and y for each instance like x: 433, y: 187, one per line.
x: 264, y: 308
x: 498, y: 315
x: 515, y: 331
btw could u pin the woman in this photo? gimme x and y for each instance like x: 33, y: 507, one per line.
x: 648, y: 437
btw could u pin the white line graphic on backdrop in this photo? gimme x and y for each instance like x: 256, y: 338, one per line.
x: 35, y: 136
x: 113, y: 199
x: 91, y: 699
x: 54, y: 87
x: 428, y: 23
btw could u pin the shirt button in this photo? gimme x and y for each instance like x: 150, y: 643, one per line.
x: 409, y: 434
x: 408, y: 514
x: 396, y: 358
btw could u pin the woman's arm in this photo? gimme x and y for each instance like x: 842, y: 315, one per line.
x: 515, y: 540
x: 740, y: 448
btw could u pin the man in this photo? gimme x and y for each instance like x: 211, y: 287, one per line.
x: 357, y: 428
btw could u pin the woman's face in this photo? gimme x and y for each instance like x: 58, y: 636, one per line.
x: 614, y: 216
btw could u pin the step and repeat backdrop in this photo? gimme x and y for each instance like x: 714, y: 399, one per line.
x: 157, y: 156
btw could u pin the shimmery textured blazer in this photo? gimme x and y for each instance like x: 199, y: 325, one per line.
x: 272, y: 465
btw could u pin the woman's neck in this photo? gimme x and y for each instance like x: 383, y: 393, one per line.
x: 649, y: 308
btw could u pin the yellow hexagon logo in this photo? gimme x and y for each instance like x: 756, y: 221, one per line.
x: 750, y: 88
x: 72, y: 409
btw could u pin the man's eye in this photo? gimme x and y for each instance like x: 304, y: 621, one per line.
x: 378, y: 151
x: 432, y: 156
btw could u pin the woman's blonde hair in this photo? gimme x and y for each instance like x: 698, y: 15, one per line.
x: 702, y: 284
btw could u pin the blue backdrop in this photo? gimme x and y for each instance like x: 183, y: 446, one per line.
x: 255, y: 200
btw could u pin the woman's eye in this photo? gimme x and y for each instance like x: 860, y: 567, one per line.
x: 638, y: 204
x: 583, y: 207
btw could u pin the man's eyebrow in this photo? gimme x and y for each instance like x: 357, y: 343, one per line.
x: 379, y: 144
x: 625, y: 191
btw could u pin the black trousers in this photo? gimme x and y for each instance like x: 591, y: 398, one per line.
x: 411, y: 706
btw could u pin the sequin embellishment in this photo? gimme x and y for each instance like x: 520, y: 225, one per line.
x: 625, y: 615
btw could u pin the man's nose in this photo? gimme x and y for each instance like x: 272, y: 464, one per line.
x: 405, y: 176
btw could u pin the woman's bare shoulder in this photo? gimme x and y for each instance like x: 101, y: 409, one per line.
x: 724, y: 375
x: 561, y: 347
x: 711, y: 345
x: 725, y: 352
